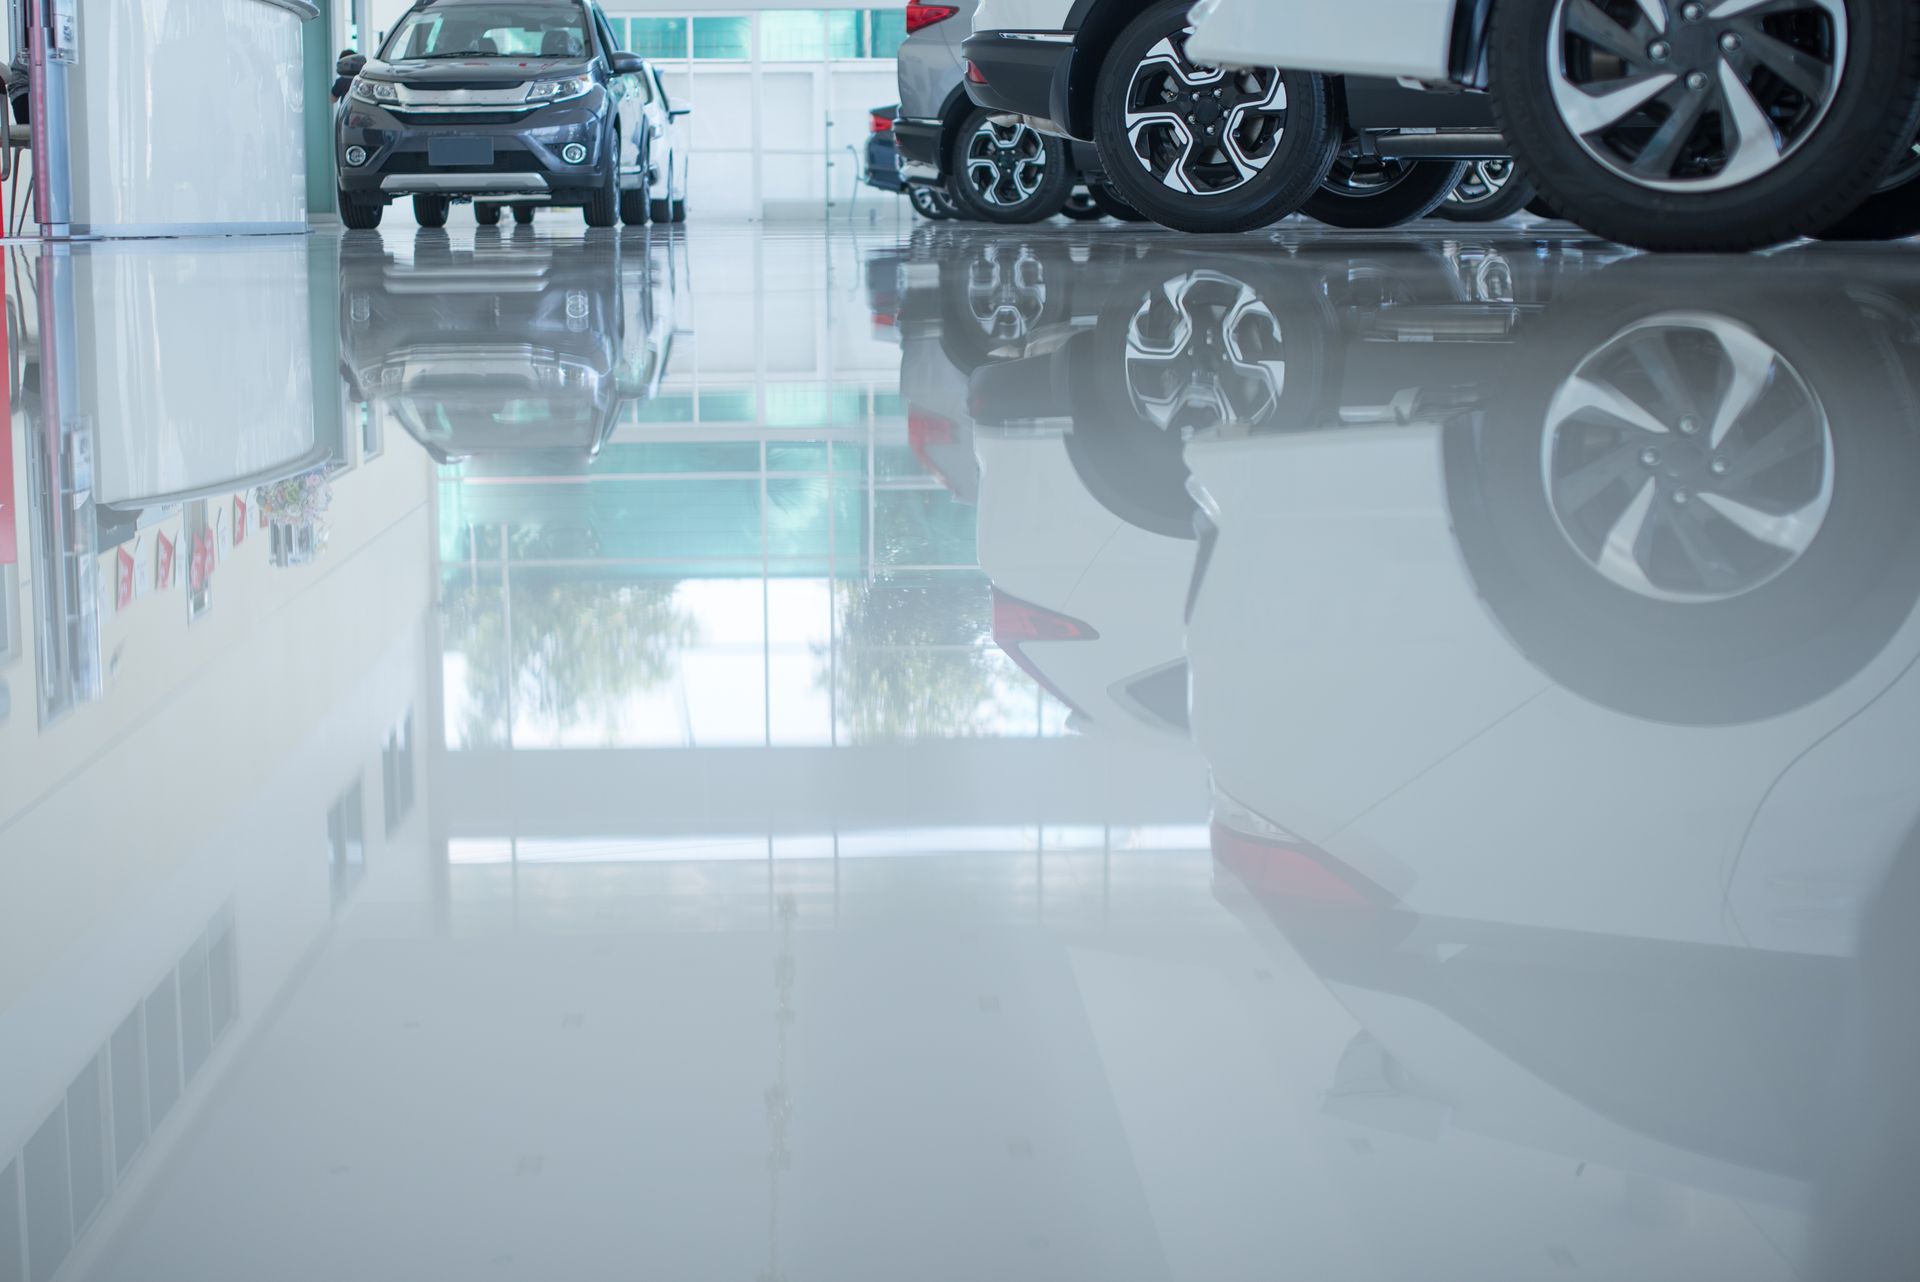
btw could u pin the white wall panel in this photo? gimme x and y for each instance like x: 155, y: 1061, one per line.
x: 159, y: 83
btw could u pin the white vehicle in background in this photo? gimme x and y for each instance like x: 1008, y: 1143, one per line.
x: 667, y: 193
x: 1666, y: 124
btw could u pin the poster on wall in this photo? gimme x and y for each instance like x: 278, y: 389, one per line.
x: 162, y: 561
x: 122, y: 577
x: 239, y: 520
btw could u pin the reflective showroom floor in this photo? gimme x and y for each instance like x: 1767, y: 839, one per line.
x: 912, y: 753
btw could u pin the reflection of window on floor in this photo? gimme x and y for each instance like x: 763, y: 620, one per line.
x: 346, y: 844
x: 396, y: 769
x: 56, y: 1188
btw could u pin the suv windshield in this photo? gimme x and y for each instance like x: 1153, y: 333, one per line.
x: 464, y: 30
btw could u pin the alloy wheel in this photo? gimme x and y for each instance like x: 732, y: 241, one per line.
x: 1485, y: 180
x: 1204, y: 351
x: 1006, y: 161
x: 1687, y: 461
x: 1695, y: 95
x: 1200, y: 130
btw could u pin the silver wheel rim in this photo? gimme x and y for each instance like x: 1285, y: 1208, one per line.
x: 1687, y: 461
x: 1006, y: 161
x: 1200, y: 130
x: 1484, y: 181
x: 1353, y: 176
x: 1006, y: 293
x: 1694, y: 95
x: 924, y: 200
x: 1204, y: 351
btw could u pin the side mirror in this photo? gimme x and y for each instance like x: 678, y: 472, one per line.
x: 626, y: 64
x: 351, y: 65
x: 678, y: 107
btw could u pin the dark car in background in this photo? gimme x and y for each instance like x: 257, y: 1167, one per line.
x: 514, y: 102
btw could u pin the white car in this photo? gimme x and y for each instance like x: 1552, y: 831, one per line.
x: 1667, y: 124
x: 667, y: 191
x: 1204, y: 149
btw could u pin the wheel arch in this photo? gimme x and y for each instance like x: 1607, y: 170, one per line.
x: 1467, y: 50
x: 1096, y: 25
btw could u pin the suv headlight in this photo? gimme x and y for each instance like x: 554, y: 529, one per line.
x: 558, y: 90
x: 376, y: 90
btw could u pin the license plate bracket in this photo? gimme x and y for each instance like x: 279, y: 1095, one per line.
x: 462, y: 153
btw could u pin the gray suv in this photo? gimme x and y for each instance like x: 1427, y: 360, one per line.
x: 518, y: 102
x: 991, y: 167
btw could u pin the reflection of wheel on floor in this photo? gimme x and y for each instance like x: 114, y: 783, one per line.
x: 996, y: 299
x: 1702, y: 126
x: 1200, y: 149
x: 1694, y: 513
x: 1489, y: 191
x: 1893, y: 211
x: 931, y: 202
x: 1003, y: 170
x: 523, y: 214
x: 1382, y: 193
x: 1081, y: 207
x: 1186, y: 356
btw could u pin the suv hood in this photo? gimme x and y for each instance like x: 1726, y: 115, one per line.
x: 475, y: 73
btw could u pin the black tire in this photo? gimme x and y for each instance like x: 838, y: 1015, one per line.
x: 931, y: 203
x: 1384, y: 193
x: 635, y: 207
x: 1489, y: 191
x: 1892, y: 212
x: 431, y: 211
x: 603, y: 203
x: 678, y: 214
x: 523, y: 214
x: 1000, y: 170
x: 360, y: 215
x: 1295, y: 144
x: 1835, y: 156
x: 1832, y: 443
x: 486, y: 214
x: 1081, y: 207
x: 1115, y: 208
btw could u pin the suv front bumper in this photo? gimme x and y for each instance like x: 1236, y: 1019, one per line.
x: 526, y: 150
x: 1025, y: 73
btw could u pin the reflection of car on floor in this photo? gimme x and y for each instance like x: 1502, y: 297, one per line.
x: 1569, y: 737
x: 1671, y: 549
x: 505, y: 347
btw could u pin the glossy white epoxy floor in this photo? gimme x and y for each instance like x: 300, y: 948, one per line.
x: 958, y: 753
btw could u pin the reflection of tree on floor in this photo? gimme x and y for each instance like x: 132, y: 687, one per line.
x: 578, y: 648
x: 914, y: 660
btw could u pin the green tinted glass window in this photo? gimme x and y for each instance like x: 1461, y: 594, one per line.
x: 846, y: 33
x: 797, y: 35
x: 722, y: 37
x: 658, y: 37
x: 889, y: 29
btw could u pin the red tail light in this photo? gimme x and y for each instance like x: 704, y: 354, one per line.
x: 926, y: 432
x: 1295, y: 870
x: 1017, y: 622
x: 921, y: 16
x: 881, y: 124
x: 974, y: 74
